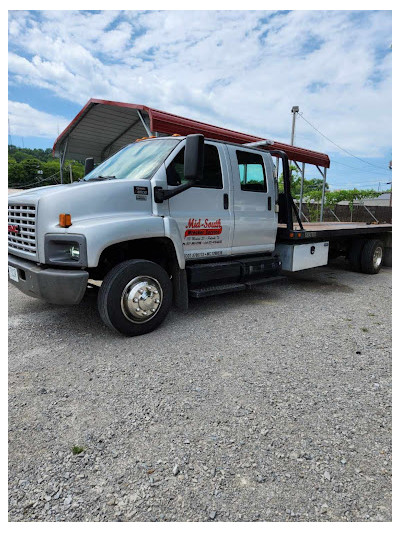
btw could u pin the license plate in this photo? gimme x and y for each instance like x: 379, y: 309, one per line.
x: 13, y: 273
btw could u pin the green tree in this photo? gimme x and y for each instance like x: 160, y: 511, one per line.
x: 20, y: 156
x: 332, y: 198
x: 353, y: 195
x: 24, y: 164
x: 309, y: 185
x: 30, y: 170
x: 14, y: 171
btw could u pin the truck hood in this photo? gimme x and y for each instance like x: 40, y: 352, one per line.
x: 85, y: 200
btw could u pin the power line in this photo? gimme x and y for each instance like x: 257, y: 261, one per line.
x: 21, y: 186
x: 357, y: 184
x: 354, y: 168
x: 340, y: 147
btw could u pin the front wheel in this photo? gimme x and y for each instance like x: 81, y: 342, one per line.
x: 135, y: 297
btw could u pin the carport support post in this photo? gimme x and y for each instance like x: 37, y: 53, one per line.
x: 303, y: 166
x: 62, y: 159
x: 323, y: 197
x: 144, y: 123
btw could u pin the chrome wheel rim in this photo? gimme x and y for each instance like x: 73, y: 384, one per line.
x: 141, y: 299
x: 377, y: 258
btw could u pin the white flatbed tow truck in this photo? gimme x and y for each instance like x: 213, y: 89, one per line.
x: 166, y: 218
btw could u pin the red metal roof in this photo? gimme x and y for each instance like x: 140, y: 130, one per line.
x: 103, y: 127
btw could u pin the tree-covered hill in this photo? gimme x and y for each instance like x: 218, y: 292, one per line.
x: 36, y: 167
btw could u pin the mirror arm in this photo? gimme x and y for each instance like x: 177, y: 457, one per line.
x: 161, y: 194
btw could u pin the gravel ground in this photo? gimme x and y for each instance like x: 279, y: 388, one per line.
x: 268, y: 406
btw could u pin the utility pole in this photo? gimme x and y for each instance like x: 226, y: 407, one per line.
x: 295, y: 110
x: 70, y: 172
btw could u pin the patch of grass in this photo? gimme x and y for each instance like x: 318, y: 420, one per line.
x: 371, y: 314
x: 77, y: 449
x: 365, y: 330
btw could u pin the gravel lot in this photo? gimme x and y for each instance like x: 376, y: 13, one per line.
x: 268, y: 406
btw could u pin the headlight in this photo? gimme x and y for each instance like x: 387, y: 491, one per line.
x: 65, y: 250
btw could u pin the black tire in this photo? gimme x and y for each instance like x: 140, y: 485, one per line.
x: 387, y: 257
x: 372, y: 256
x: 354, y: 254
x: 113, y: 307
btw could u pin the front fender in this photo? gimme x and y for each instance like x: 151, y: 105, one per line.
x: 102, y: 232
x: 173, y: 233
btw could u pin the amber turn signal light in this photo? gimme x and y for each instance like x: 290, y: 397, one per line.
x: 65, y: 220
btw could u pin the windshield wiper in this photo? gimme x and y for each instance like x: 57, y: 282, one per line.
x: 100, y: 178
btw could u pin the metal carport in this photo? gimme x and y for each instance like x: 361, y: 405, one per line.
x: 103, y: 127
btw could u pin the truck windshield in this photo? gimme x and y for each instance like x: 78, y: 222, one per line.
x: 136, y: 161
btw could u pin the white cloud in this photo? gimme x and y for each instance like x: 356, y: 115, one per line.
x: 239, y: 69
x: 25, y: 121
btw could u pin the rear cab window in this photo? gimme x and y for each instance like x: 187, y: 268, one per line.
x: 251, y: 171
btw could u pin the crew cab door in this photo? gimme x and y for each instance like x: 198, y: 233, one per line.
x: 255, y: 220
x: 203, y: 212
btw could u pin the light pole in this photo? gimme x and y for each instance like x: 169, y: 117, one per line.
x: 295, y: 110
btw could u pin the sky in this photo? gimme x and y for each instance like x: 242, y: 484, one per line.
x: 243, y: 70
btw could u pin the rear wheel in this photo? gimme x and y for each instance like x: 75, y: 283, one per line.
x: 354, y: 254
x: 135, y: 297
x: 372, y: 256
x: 387, y: 257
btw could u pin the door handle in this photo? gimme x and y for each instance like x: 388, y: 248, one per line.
x: 226, y: 201
x: 269, y: 203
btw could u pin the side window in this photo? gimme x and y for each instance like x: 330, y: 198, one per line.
x: 251, y: 171
x: 212, y: 175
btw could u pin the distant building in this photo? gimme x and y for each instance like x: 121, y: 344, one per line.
x: 382, y: 200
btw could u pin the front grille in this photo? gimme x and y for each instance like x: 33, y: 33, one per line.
x: 24, y: 218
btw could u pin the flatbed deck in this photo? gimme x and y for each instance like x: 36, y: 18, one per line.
x: 327, y: 230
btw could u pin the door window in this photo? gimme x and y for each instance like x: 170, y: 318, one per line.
x: 212, y: 175
x: 251, y: 171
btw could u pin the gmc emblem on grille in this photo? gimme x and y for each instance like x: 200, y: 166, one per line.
x: 13, y: 228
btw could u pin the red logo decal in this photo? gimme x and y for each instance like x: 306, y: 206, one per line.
x: 13, y: 228
x: 197, y: 227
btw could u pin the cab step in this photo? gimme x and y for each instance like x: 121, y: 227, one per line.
x: 213, y: 290
x: 265, y: 281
